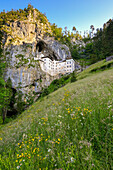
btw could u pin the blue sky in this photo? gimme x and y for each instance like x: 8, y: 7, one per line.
x: 78, y: 13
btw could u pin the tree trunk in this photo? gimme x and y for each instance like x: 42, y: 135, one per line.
x: 4, y: 114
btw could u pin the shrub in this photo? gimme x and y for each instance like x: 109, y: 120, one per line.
x: 73, y: 77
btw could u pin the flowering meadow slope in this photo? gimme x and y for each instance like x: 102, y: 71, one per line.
x: 68, y: 129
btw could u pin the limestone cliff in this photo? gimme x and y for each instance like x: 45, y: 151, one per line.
x: 26, y: 39
x: 25, y: 28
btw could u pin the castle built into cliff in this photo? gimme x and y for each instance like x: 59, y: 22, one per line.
x: 57, y: 67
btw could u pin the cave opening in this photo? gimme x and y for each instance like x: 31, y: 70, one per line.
x: 12, y: 111
x: 40, y: 46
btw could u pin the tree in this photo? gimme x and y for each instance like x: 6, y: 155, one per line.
x: 65, y: 31
x: 74, y: 29
x: 73, y: 77
x: 92, y: 28
x: 5, y: 92
x: 74, y: 52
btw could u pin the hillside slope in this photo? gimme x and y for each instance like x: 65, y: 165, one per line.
x: 70, y: 128
x: 99, y: 66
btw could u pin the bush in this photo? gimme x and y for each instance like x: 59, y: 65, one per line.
x: 73, y: 78
x: 55, y: 85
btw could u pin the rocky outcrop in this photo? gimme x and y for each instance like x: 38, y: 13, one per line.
x: 27, y: 30
x: 109, y: 58
x: 24, y: 63
x: 25, y: 43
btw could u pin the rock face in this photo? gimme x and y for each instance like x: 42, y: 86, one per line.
x: 26, y: 30
x: 25, y: 42
x: 109, y: 58
x: 24, y: 63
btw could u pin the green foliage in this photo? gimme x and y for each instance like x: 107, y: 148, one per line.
x: 64, y: 38
x: 5, y: 96
x: 73, y: 77
x: 42, y: 18
x: 7, y: 53
x: 57, y: 32
x: 20, y: 104
x: 55, y: 85
x: 99, y: 66
x: 5, y: 87
x: 21, y: 15
x: 22, y: 60
x: 74, y: 52
x: 101, y: 45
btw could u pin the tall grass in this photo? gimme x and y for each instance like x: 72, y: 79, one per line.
x: 68, y: 129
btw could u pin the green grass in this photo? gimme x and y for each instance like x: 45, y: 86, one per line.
x: 68, y: 129
x: 99, y: 66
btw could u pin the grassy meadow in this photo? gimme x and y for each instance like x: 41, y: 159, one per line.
x: 70, y: 128
x: 97, y: 67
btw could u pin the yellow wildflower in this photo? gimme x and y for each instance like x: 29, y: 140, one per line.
x: 81, y: 138
x: 34, y: 150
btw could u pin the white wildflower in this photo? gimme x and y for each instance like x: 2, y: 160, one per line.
x: 72, y: 159
x: 18, y: 167
x: 49, y: 150
x: 81, y: 113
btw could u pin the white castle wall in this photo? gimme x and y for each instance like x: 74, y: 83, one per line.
x: 55, y: 67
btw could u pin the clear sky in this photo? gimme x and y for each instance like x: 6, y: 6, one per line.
x: 78, y: 13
